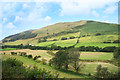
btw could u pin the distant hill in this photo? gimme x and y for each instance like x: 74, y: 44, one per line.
x: 56, y: 31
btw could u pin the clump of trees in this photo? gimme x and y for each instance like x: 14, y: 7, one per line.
x: 102, y: 72
x: 64, y: 58
x: 13, y: 68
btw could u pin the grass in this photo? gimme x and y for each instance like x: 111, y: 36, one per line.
x: 100, y: 45
x: 83, y: 55
x: 96, y: 56
x: 7, y: 49
x: 101, y: 38
x: 90, y: 67
x: 27, y: 61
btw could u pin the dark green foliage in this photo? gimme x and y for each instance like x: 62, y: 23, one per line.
x: 98, y: 34
x: 29, y: 56
x: 13, y: 69
x: 23, y: 54
x: 72, y: 37
x: 116, y: 41
x: 13, y: 53
x: 108, y: 49
x: 64, y: 58
x: 116, y: 53
x: 74, y: 55
x: 63, y: 38
x: 59, y: 59
x: 36, y: 57
x: 102, y: 72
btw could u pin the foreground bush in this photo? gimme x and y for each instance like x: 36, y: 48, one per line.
x: 12, y: 68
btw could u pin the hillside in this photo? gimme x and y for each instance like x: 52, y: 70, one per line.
x: 88, y: 31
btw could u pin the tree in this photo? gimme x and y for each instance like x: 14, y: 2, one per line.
x: 74, y: 55
x: 102, y: 72
x: 60, y: 59
x: 116, y: 53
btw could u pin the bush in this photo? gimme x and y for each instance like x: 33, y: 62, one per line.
x: 23, y: 54
x: 63, y: 38
x: 102, y: 72
x: 116, y: 41
x: 12, y: 68
x: 29, y: 56
x: 36, y: 57
x: 98, y: 34
x: 72, y: 37
x: 13, y: 53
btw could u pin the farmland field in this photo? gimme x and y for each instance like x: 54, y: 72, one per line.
x: 90, y: 67
x: 83, y: 55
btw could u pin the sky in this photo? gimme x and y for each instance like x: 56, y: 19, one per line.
x: 21, y: 15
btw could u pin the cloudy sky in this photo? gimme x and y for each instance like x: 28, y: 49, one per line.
x: 22, y: 15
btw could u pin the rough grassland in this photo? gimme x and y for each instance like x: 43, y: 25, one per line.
x: 90, y: 67
x: 27, y: 61
x: 83, y: 55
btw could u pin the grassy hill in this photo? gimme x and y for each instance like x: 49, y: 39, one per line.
x: 88, y: 31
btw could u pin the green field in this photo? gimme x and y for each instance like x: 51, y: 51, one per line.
x: 90, y: 67
x: 7, y: 49
x: 100, y: 45
x: 96, y: 56
x: 27, y: 61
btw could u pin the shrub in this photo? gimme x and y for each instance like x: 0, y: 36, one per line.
x: 23, y: 54
x: 63, y: 38
x: 4, y: 53
x: 12, y: 68
x: 13, y: 53
x: 72, y: 37
x: 116, y: 41
x: 98, y: 34
x: 29, y: 56
x: 36, y: 57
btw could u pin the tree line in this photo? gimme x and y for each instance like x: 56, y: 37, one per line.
x: 55, y: 47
